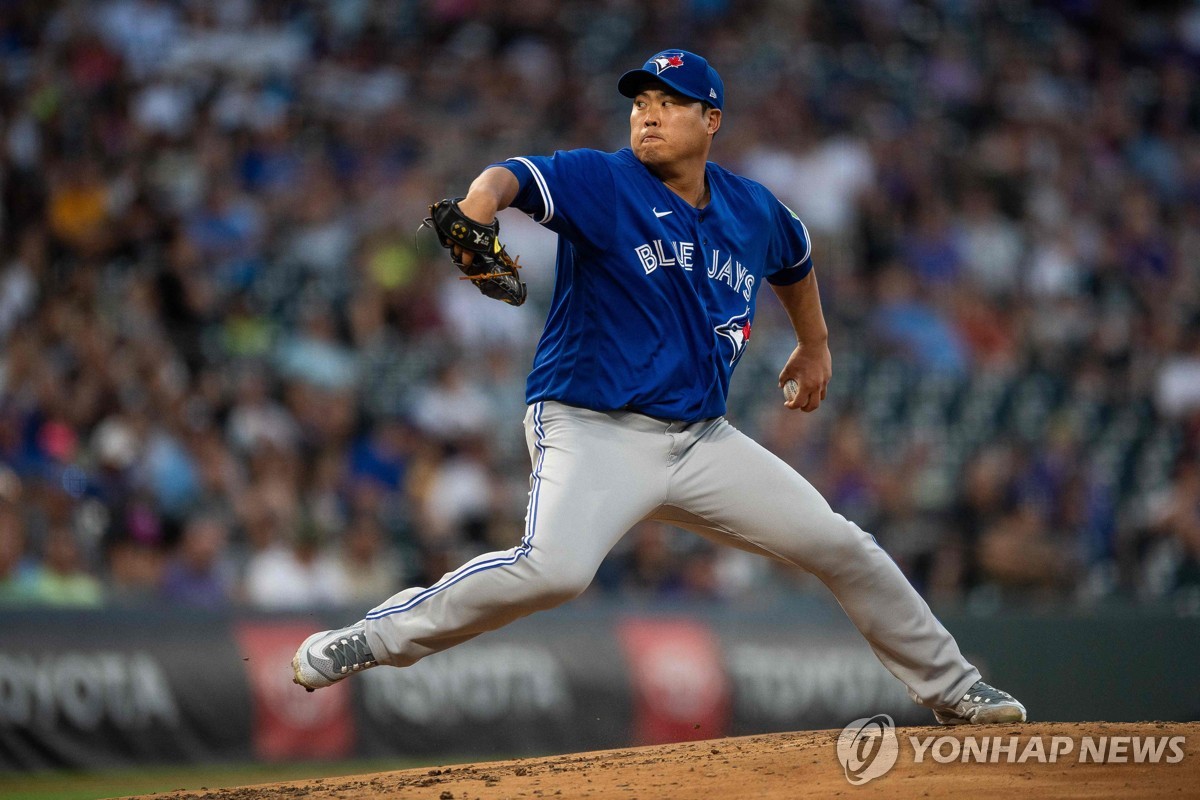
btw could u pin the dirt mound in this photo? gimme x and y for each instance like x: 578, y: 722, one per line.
x: 1145, y: 759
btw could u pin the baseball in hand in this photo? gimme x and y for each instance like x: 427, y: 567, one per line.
x: 790, y: 390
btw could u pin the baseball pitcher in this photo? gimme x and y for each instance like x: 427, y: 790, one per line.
x: 658, y: 242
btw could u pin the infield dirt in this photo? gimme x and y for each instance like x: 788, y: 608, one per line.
x: 774, y: 767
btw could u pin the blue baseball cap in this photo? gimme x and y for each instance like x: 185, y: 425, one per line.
x: 686, y: 73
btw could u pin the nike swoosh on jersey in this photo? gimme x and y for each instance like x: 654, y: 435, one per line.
x: 661, y: 214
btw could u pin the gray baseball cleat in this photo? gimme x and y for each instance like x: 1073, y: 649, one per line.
x: 328, y: 656
x: 981, y: 705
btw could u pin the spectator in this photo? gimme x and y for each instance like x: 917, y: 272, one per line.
x: 455, y: 494
x: 1170, y: 550
x: 383, y: 454
x: 17, y: 567
x: 296, y: 574
x: 370, y: 568
x: 78, y: 208
x: 1018, y: 553
x: 1178, y: 382
x: 19, y: 281
x: 991, y: 245
x: 913, y: 328
x: 315, y: 355
x: 199, y: 575
x: 135, y: 572
x: 453, y: 406
x: 930, y: 248
x: 62, y: 579
x: 256, y: 418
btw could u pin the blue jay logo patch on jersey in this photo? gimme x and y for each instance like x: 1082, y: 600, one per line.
x: 668, y: 60
x: 737, y: 332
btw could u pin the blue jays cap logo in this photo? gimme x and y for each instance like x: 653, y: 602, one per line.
x: 737, y: 332
x: 687, y: 73
x: 667, y: 61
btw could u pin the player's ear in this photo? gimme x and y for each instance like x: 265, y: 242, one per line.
x: 714, y: 120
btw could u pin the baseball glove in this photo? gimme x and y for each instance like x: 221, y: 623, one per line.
x: 491, y: 269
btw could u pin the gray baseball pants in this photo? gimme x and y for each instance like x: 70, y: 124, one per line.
x: 596, y: 474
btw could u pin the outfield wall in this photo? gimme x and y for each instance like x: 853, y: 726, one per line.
x: 99, y: 689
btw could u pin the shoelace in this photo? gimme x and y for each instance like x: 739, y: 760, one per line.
x: 983, y: 693
x: 350, y: 654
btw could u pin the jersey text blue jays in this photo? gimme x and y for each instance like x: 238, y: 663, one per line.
x: 654, y: 298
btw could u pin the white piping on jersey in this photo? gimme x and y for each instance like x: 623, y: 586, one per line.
x: 543, y: 189
x: 807, y: 240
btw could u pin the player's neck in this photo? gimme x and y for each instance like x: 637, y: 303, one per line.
x: 689, y: 184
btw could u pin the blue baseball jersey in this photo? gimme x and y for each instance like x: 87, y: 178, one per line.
x: 653, y: 298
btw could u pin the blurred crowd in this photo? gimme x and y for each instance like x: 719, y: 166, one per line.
x: 232, y: 373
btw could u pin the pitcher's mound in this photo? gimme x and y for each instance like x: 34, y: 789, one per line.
x: 1090, y: 759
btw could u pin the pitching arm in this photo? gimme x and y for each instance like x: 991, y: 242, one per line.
x: 810, y: 363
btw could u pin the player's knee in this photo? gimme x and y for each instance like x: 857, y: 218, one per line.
x: 854, y: 543
x: 559, y: 586
x: 848, y: 548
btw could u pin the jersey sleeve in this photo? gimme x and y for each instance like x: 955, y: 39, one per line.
x: 791, y: 248
x: 570, y: 192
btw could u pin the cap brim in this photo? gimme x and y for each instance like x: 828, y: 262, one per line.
x: 632, y: 82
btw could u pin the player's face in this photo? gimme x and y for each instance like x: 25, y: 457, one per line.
x: 665, y: 127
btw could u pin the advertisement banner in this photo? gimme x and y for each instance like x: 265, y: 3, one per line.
x: 680, y: 689
x: 539, y: 686
x: 92, y: 689
x: 290, y: 723
x: 85, y: 689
